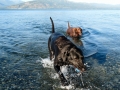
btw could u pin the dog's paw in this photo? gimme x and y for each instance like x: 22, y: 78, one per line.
x: 65, y: 83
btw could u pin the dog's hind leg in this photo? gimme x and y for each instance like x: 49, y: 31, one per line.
x: 61, y: 76
x: 50, y: 50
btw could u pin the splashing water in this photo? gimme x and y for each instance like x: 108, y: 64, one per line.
x: 70, y: 73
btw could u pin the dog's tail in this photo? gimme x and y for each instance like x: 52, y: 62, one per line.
x: 68, y: 25
x: 53, y: 29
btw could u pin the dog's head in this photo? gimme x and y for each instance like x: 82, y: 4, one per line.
x: 74, y: 57
x: 77, y: 32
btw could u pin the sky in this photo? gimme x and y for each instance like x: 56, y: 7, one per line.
x: 27, y: 0
x: 113, y: 2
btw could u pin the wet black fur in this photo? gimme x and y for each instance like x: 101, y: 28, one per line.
x: 64, y: 52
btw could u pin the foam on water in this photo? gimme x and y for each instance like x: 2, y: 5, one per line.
x: 67, y: 87
x: 88, y: 79
x: 46, y: 62
x: 69, y: 72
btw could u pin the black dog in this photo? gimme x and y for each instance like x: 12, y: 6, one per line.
x: 64, y: 52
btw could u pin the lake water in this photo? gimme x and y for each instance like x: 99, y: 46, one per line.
x: 24, y: 56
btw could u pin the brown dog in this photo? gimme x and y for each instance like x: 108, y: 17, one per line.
x: 64, y: 52
x: 74, y: 32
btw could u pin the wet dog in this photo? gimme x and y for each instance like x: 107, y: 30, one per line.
x: 74, y: 32
x: 64, y: 52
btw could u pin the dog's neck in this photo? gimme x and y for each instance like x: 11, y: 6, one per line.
x: 65, y: 42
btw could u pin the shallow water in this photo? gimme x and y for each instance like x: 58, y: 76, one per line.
x: 24, y: 56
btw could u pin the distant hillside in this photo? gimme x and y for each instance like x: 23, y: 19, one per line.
x: 1, y: 5
x: 41, y: 4
x: 60, y: 4
x: 5, y: 3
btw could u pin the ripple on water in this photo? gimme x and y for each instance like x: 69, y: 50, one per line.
x: 88, y: 48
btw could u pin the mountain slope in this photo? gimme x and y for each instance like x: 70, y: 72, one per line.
x: 40, y: 4
x: 4, y: 3
x: 60, y: 4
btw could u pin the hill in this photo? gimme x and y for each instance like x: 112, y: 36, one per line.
x: 5, y: 3
x: 60, y: 4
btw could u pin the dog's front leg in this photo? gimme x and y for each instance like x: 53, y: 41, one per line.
x: 62, y: 78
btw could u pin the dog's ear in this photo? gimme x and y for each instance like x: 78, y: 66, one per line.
x: 79, y: 30
x: 65, y: 55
